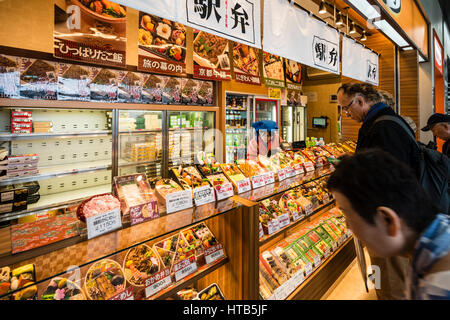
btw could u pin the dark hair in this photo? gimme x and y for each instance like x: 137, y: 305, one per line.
x: 373, y: 178
x: 365, y: 90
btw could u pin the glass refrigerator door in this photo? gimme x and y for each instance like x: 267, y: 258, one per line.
x: 300, y: 121
x: 236, y: 124
x: 189, y: 134
x: 140, y: 142
x: 266, y: 109
x: 287, y: 123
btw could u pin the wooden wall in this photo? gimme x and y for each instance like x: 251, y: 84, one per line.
x: 380, y: 44
x: 409, y: 86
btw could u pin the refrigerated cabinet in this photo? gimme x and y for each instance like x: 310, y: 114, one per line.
x: 293, y: 120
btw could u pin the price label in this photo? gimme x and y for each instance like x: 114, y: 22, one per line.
x: 283, y: 220
x: 281, y: 174
x: 309, y: 166
x: 327, y: 252
x: 308, y: 269
x: 224, y: 191
x: 184, y: 268
x: 103, y: 223
x: 243, y: 185
x: 334, y: 245
x: 157, y: 282
x: 317, y: 261
x: 297, y: 215
x: 273, y: 226
x: 282, y: 291
x: 261, y: 230
x: 308, y: 209
x: 127, y: 294
x: 269, y: 177
x: 258, y: 181
x: 298, y: 278
x: 298, y: 169
x: 203, y: 195
x: 289, y: 172
x: 214, y: 253
x: 179, y: 200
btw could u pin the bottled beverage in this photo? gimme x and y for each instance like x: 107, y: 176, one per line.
x: 321, y: 142
x: 307, y: 142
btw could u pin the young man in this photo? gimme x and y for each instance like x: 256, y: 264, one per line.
x: 439, y: 124
x: 387, y: 209
x: 363, y: 103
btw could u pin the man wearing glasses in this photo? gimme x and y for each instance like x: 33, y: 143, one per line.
x: 364, y: 104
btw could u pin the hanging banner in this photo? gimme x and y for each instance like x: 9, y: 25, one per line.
x: 236, y: 20
x: 285, y: 27
x: 91, y: 31
x: 359, y: 63
x: 246, y: 64
x: 211, y: 56
x: 273, y: 70
x: 162, y: 45
x: 293, y: 72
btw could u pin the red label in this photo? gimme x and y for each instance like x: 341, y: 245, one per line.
x: 224, y: 191
x: 214, y: 253
x: 243, y: 185
x: 247, y: 78
x: 211, y: 74
x: 127, y: 294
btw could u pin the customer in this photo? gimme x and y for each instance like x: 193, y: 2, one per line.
x: 363, y: 103
x: 388, y: 210
x: 439, y: 124
x: 266, y: 141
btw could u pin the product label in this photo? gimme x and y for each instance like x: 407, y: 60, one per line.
x: 273, y: 226
x: 282, y: 291
x: 224, y: 191
x: 281, y: 174
x: 298, y: 169
x: 298, y: 278
x: 258, y: 181
x: 326, y: 253
x: 334, y: 246
x: 214, y: 253
x: 157, y: 282
x: 284, y: 220
x: 290, y: 172
x: 179, y: 200
x: 103, y: 223
x: 127, y: 294
x: 309, y: 166
x: 184, y: 268
x: 297, y: 215
x: 7, y: 196
x: 308, y: 209
x: 243, y: 185
x: 203, y: 195
x: 308, y: 269
x: 269, y: 177
x: 261, y: 231
x: 317, y: 261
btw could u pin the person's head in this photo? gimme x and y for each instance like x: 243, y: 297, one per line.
x: 384, y: 205
x: 356, y: 99
x: 387, y: 98
x: 439, y: 124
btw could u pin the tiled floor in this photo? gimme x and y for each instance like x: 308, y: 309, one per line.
x: 350, y: 286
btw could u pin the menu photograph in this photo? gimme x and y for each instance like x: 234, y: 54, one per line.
x: 293, y: 72
x: 273, y: 70
x: 246, y: 64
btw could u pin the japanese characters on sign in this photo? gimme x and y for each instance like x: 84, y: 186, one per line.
x: 93, y: 35
x: 358, y: 62
x: 162, y: 45
x: 273, y: 71
x: 326, y: 54
x: 372, y: 72
x: 9, y: 76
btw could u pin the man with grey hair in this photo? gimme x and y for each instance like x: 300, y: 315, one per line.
x: 439, y: 124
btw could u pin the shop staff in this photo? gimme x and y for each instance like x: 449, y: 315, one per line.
x: 439, y: 124
x: 363, y: 103
x: 266, y: 141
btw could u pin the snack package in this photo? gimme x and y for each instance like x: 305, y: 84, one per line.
x: 73, y: 82
x: 103, y: 84
x: 212, y: 292
x: 97, y: 205
x: 217, y: 179
x: 24, y: 277
x: 165, y: 186
x: 166, y: 250
x: 195, y: 243
x: 188, y: 177
x: 63, y: 289
x: 273, y: 267
x: 104, y: 280
x: 233, y: 173
x: 250, y: 168
x: 140, y: 263
x: 38, y: 79
x: 290, y: 267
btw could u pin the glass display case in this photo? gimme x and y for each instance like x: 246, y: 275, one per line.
x: 140, y: 142
x: 266, y: 109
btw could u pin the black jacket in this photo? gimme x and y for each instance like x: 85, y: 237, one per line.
x: 446, y: 148
x: 390, y: 137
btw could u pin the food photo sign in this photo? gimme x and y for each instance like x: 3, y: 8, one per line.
x: 91, y: 31
x: 246, y: 64
x: 273, y: 70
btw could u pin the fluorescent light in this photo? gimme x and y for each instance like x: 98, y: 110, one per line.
x: 390, y: 32
x: 365, y: 8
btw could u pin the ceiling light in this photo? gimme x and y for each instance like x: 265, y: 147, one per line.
x: 352, y: 28
x: 339, y: 20
x: 390, y: 32
x: 363, y: 38
x: 365, y: 8
x: 322, y: 7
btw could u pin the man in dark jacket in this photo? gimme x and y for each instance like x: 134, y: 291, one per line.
x: 439, y: 124
x: 363, y: 103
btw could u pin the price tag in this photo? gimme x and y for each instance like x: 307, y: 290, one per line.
x: 298, y: 278
x: 261, y: 230
x: 327, y: 252
x: 269, y: 177
x: 258, y: 181
x: 297, y: 215
x: 282, y: 291
x: 281, y: 174
x: 127, y: 294
x: 289, y: 172
x: 103, y: 223
x: 224, y: 191
x: 157, y: 282
x: 308, y: 209
x: 309, y: 166
x: 283, y: 220
x: 308, y: 269
x: 203, y: 195
x: 179, y: 200
x: 326, y: 198
x: 298, y: 169
x: 334, y: 245
x: 273, y: 226
x: 243, y: 185
x: 214, y: 253
x: 184, y: 268
x: 317, y: 261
